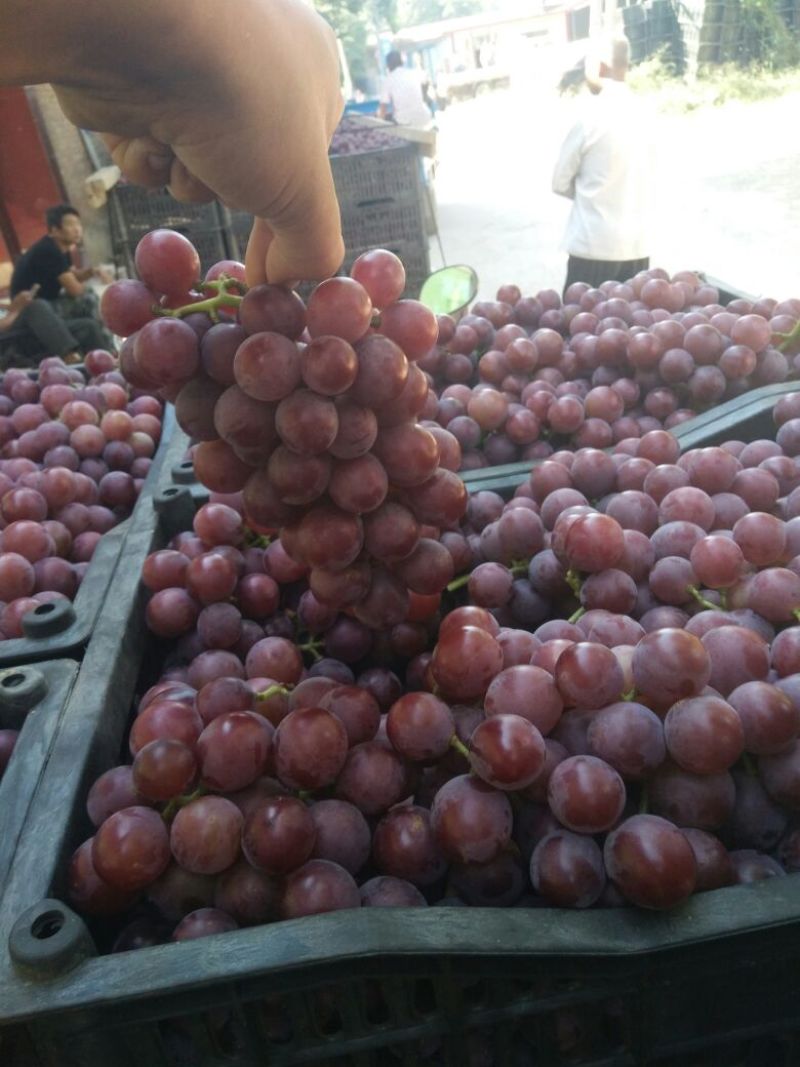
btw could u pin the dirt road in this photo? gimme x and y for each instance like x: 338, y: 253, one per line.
x: 729, y: 200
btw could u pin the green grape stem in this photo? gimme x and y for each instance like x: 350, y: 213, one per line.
x: 274, y: 690
x: 749, y: 765
x: 256, y: 540
x: 458, y: 583
x: 573, y: 580
x: 577, y: 615
x: 313, y: 648
x: 459, y: 746
x: 221, y: 298
x: 789, y: 338
x: 176, y: 803
x: 698, y: 596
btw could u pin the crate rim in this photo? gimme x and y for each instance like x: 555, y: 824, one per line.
x: 694, y: 433
x: 617, y: 934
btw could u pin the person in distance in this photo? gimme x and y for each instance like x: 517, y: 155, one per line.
x: 48, y: 265
x: 606, y: 167
x: 239, y: 105
x: 31, y: 330
x: 404, y: 94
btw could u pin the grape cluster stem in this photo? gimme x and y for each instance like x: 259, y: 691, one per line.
x: 222, y: 298
x: 176, y: 803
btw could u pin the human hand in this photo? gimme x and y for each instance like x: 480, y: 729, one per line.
x: 104, y: 274
x: 22, y: 300
x: 246, y: 115
x: 16, y: 306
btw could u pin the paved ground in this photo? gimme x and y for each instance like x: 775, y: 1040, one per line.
x: 729, y: 192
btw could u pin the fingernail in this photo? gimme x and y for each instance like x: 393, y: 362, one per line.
x: 159, y: 161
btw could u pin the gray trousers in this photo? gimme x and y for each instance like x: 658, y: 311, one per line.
x: 82, y: 315
x: 38, y: 332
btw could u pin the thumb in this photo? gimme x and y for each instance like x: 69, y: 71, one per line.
x: 306, y: 242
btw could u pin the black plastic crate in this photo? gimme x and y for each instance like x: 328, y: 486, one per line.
x: 714, y: 981
x: 63, y: 628
x: 142, y: 210
x: 134, y: 211
x: 32, y: 699
x: 240, y: 225
x: 745, y: 418
x: 398, y: 227
x: 381, y: 225
x: 211, y: 246
x: 387, y: 175
x: 413, y: 253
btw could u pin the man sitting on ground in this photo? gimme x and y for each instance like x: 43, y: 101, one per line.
x: 48, y: 265
x: 31, y: 330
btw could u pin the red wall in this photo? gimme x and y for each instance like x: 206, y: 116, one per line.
x: 27, y: 183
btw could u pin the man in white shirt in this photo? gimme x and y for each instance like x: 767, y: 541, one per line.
x: 606, y: 167
x: 404, y: 93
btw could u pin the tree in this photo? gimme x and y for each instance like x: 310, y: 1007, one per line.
x: 354, y: 21
x: 419, y: 11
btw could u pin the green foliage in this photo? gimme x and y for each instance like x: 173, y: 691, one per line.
x: 716, y: 85
x: 414, y: 12
x: 762, y: 37
x: 355, y: 21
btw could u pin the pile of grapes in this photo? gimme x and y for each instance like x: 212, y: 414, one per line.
x: 377, y: 693
x: 73, y: 458
x: 519, y: 377
x: 351, y: 137
x: 604, y: 710
x: 310, y: 411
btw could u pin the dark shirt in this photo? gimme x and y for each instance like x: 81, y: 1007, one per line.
x: 43, y: 263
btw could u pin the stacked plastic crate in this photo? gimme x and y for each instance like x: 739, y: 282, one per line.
x: 134, y: 211
x: 381, y: 191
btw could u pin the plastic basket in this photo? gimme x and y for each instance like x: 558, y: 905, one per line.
x: 63, y: 628
x: 210, y: 244
x: 388, y: 174
x: 414, y: 255
x: 381, y: 225
x: 240, y: 225
x: 745, y: 418
x: 32, y: 699
x: 400, y: 227
x: 714, y: 981
x: 142, y: 210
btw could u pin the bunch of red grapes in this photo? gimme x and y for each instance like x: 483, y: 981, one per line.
x: 519, y: 377
x: 310, y: 411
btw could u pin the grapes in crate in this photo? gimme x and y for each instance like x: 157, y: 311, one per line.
x: 75, y: 449
x: 309, y: 411
x: 518, y: 744
x: 519, y: 377
x: 602, y: 708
